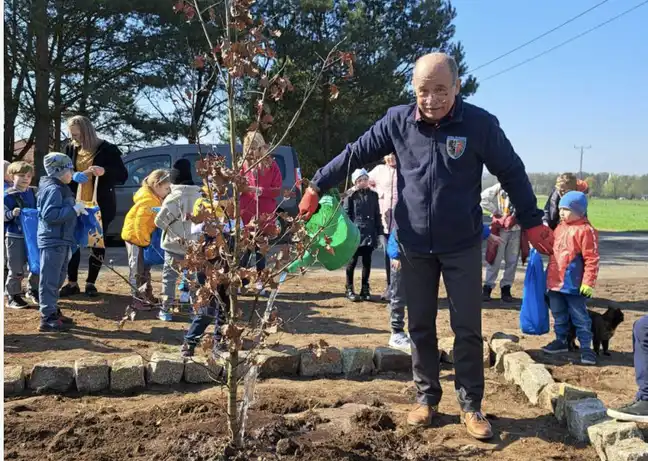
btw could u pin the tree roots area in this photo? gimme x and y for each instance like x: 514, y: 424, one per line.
x: 311, y: 419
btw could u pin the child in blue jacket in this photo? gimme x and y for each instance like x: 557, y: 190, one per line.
x: 18, y: 197
x: 57, y: 216
x: 399, y: 340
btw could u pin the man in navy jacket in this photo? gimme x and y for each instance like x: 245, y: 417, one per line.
x: 441, y: 145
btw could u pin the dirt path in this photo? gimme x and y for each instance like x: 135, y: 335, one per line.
x: 170, y: 426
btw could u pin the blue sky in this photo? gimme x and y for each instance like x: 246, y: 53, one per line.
x: 593, y: 91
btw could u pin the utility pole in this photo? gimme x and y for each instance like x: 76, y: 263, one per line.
x: 581, y: 149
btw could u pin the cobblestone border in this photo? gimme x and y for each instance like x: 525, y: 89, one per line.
x: 584, y: 415
x: 578, y: 409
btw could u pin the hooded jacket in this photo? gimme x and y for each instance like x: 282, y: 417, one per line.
x: 439, y: 167
x: 363, y: 209
x: 172, y: 218
x: 139, y: 223
x: 15, y: 198
x: 269, y: 180
x: 575, y: 260
x: 384, y: 179
x: 56, y: 216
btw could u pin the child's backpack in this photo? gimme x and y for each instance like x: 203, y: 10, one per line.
x: 534, y: 314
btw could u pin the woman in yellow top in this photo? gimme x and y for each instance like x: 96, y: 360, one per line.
x: 138, y: 227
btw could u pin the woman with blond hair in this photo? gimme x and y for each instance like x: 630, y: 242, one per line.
x: 98, y: 159
x: 259, y: 200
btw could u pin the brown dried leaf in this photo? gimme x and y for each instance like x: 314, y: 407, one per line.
x: 275, y: 33
x: 188, y: 94
x: 199, y: 62
x: 334, y: 92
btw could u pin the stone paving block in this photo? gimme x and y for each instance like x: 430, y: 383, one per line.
x: 127, y: 374
x: 357, y: 361
x: 165, y: 368
x: 548, y: 397
x: 581, y: 414
x: 628, y: 450
x: 568, y: 393
x: 92, y: 374
x: 277, y: 362
x: 14, y: 379
x: 533, y: 379
x: 610, y: 432
x: 199, y: 370
x: 505, y: 336
x: 514, y: 364
x: 502, y: 347
x: 446, y: 349
x: 323, y: 362
x: 388, y: 359
x: 53, y: 375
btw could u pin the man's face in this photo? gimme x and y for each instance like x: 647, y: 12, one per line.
x: 435, y: 91
x: 22, y: 181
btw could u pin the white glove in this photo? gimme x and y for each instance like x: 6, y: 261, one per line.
x: 80, y: 209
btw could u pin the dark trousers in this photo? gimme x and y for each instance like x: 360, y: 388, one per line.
x: 94, y: 263
x: 215, y: 311
x: 640, y: 350
x: 363, y: 252
x: 461, y: 272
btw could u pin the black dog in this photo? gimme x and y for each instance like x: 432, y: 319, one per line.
x: 603, y: 328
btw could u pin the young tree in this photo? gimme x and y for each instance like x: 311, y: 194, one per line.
x: 240, y: 56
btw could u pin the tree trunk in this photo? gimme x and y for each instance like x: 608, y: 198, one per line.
x: 41, y: 125
x: 85, y: 92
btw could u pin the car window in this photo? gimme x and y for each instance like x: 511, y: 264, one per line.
x: 139, y: 168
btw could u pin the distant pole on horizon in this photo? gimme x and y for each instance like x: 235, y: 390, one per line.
x: 581, y: 149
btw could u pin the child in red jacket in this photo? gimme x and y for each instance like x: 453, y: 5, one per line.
x: 571, y: 276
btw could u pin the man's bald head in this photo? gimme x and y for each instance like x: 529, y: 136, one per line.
x: 434, y: 62
x: 436, y: 84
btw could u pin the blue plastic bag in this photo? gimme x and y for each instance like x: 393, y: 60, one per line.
x: 534, y: 314
x: 29, y: 223
x: 89, y: 229
x: 153, y: 253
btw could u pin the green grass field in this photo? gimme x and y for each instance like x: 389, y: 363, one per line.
x: 615, y: 215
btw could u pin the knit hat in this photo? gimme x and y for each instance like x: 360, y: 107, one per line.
x: 574, y: 201
x: 357, y: 174
x: 181, y: 173
x: 57, y: 163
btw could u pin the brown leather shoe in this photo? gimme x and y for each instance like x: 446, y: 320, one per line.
x: 477, y: 425
x: 421, y: 415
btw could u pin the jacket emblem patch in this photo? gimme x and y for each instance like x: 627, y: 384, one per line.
x: 456, y: 146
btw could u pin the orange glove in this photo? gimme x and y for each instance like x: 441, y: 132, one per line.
x: 309, y: 203
x: 542, y: 239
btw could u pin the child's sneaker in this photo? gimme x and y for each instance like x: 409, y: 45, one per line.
x: 351, y: 296
x: 588, y: 357
x: 17, y: 302
x: 365, y: 294
x: 555, y: 347
x: 91, y: 290
x: 187, y: 349
x: 69, y: 290
x: 401, y: 342
x: 262, y: 291
x: 63, y: 318
x: 52, y: 326
x: 32, y: 297
x: 165, y: 316
x: 636, y: 411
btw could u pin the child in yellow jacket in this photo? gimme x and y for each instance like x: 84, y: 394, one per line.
x: 138, y: 227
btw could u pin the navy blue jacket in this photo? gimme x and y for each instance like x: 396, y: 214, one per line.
x: 439, y: 174
x: 56, y: 216
x: 16, y: 199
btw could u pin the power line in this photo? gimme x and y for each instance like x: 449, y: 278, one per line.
x: 565, y: 42
x: 538, y: 37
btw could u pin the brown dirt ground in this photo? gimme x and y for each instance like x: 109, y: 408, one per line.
x: 167, y: 425
x: 163, y: 424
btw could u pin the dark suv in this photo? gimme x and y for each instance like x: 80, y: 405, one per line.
x: 140, y: 163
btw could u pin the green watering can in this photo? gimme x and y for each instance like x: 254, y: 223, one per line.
x: 344, y: 235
